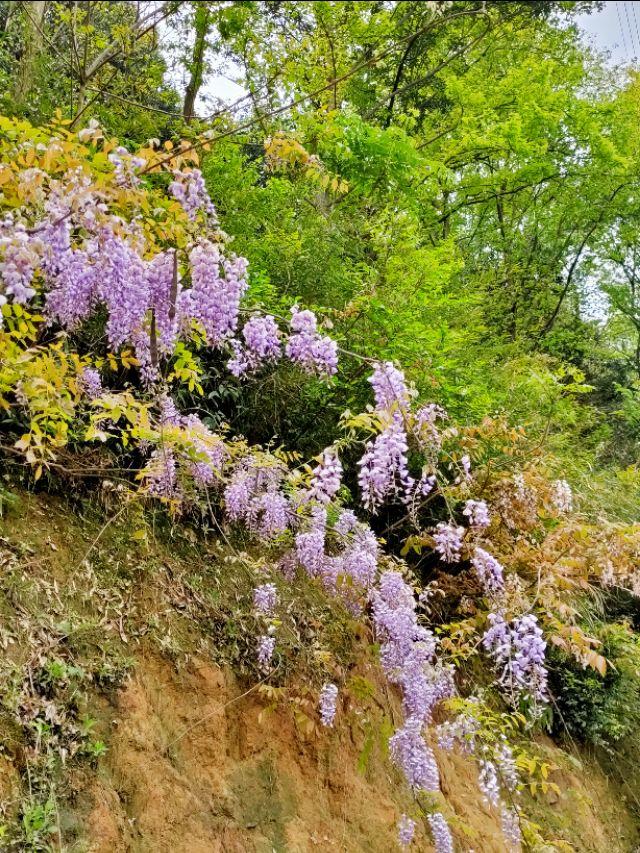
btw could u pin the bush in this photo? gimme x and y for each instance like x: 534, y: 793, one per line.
x: 595, y: 708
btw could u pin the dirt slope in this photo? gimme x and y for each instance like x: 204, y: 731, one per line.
x: 199, y: 756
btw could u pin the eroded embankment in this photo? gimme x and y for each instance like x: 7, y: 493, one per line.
x: 131, y: 720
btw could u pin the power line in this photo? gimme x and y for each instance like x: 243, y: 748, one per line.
x: 624, y: 41
x: 635, y: 21
x: 633, y: 41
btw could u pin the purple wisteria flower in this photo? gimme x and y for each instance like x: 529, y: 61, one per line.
x: 261, y: 346
x: 411, y: 753
x: 389, y: 387
x: 478, y: 514
x: 448, y: 538
x: 326, y: 477
x: 510, y: 823
x: 315, y: 353
x: 488, y: 782
x: 190, y: 190
x: 90, y: 383
x: 162, y: 474
x: 562, y: 496
x: 489, y: 571
x: 265, y: 599
x: 327, y: 704
x: 266, y: 647
x: 406, y: 830
x: 441, y: 833
x: 520, y: 652
x: 384, y: 470
x: 125, y: 167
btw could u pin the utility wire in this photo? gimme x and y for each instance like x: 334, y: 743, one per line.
x: 624, y: 41
x: 629, y: 31
x: 635, y: 21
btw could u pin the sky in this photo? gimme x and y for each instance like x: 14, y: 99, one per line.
x: 616, y: 28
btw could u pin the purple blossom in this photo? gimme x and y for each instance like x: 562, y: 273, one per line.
x: 411, y: 753
x: 389, y: 387
x: 266, y: 646
x: 261, y: 344
x: 190, y: 190
x: 163, y: 300
x: 217, y: 285
x: 520, y: 652
x: 125, y: 166
x: 73, y: 289
x: 478, y: 513
x: 265, y: 599
x: 510, y: 823
x: 562, y: 496
x: 425, y: 484
x: 20, y: 258
x: 490, y: 572
x: 346, y: 522
x: 384, y: 468
x: 161, y: 474
x: 465, y: 462
x: 310, y: 550
x: 506, y: 764
x: 237, y: 495
x: 315, y: 353
x: 121, y: 284
x: 488, y: 782
x: 326, y: 477
x: 269, y: 514
x: 90, y: 383
x: 327, y: 703
x: 448, y: 537
x: 460, y: 733
x: 441, y: 833
x: 406, y: 830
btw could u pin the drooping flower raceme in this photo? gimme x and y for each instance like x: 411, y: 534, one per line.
x: 478, y: 514
x: 217, y: 286
x: 448, y: 538
x: 389, y: 387
x: 326, y: 477
x: 489, y: 571
x: 125, y: 166
x: 510, y: 823
x: 520, y: 652
x: 411, y: 753
x: 488, y: 782
x: 406, y: 830
x: 384, y: 471
x: 315, y: 353
x: 90, y: 383
x: 266, y: 647
x: 261, y: 346
x: 407, y: 657
x: 562, y: 496
x: 189, y: 188
x: 441, y: 833
x: 327, y: 703
x: 265, y: 599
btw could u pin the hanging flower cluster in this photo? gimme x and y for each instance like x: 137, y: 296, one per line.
x: 519, y: 650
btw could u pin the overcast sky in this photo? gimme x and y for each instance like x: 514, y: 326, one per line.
x: 616, y: 29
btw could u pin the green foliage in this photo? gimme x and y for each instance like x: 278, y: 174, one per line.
x: 600, y: 708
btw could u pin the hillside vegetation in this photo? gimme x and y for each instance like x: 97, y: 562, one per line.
x: 319, y: 429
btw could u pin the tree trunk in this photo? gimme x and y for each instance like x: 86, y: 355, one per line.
x: 202, y: 23
x: 33, y: 26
